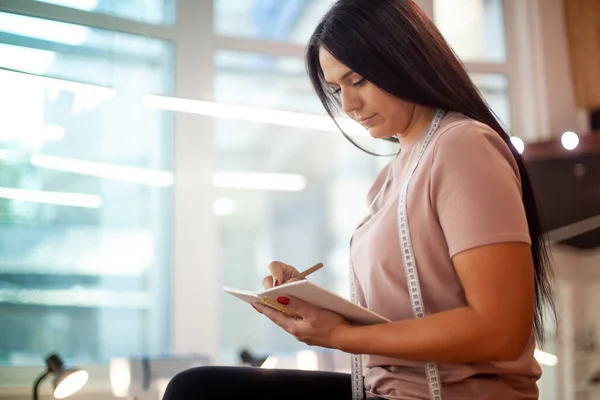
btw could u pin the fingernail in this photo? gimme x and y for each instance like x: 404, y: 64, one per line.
x: 283, y: 300
x: 275, y: 283
x: 255, y: 308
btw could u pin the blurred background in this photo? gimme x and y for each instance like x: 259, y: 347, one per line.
x: 153, y: 151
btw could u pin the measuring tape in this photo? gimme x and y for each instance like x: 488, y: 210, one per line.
x: 358, y: 389
x: 412, y: 277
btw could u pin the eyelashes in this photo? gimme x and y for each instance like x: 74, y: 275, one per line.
x: 358, y: 83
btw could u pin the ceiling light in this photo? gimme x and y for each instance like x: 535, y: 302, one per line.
x: 53, y: 84
x: 253, y: 114
x: 105, y: 170
x: 518, y: 143
x: 569, y: 140
x: 260, y: 181
x: 43, y: 29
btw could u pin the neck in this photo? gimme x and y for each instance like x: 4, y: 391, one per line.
x: 420, y: 119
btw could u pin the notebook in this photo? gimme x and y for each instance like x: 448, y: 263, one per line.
x: 314, y: 294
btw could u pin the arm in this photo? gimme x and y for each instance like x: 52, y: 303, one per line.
x: 495, y: 326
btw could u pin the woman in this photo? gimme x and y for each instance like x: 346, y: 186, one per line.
x: 452, y: 249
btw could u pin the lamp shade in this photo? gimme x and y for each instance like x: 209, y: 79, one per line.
x: 68, y: 382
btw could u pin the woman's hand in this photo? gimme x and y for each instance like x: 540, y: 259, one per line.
x: 280, y: 273
x: 317, y: 327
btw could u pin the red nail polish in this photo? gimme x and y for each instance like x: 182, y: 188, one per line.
x: 283, y: 300
x: 275, y: 283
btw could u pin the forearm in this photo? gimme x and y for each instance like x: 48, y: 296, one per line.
x: 455, y: 336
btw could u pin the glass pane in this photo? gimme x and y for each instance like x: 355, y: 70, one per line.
x: 85, y: 196
x: 274, y: 20
x: 158, y: 12
x: 95, y: 56
x: 494, y: 88
x: 273, y: 82
x: 474, y: 28
x: 302, y: 212
x: 280, y: 83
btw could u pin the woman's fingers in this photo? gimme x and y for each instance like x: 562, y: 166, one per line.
x: 267, y: 282
x: 281, y: 272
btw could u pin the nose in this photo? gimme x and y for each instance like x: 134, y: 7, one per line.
x: 350, y: 101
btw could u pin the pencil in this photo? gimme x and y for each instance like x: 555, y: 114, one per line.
x: 309, y: 271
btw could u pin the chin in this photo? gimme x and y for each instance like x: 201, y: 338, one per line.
x: 379, y: 133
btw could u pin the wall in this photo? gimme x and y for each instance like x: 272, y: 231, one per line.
x: 545, y: 101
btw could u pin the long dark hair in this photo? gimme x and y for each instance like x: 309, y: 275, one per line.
x: 396, y: 47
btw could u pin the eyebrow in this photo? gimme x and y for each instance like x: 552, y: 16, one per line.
x: 347, y: 74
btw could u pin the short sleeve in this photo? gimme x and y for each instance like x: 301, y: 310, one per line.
x: 476, y: 189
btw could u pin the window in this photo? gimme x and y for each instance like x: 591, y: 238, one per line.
x: 474, y: 28
x: 159, y: 12
x: 85, y: 193
x: 273, y: 20
x: 494, y: 89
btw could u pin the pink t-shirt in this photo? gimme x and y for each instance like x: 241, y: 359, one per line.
x: 465, y: 193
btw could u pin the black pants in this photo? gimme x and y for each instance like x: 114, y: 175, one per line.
x: 255, y: 383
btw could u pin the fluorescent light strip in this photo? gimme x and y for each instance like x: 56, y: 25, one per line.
x: 260, y: 181
x: 56, y: 198
x: 104, y: 170
x: 44, y: 29
x: 545, y: 358
x: 76, y: 297
x: 61, y: 84
x: 85, y: 5
x: 239, y: 180
x: 101, y: 170
x: 252, y: 114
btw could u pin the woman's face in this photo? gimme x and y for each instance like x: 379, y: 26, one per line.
x: 383, y: 114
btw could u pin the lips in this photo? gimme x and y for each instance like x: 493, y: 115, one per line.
x: 366, y: 120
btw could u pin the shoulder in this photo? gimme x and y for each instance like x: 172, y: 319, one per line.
x: 459, y: 130
x: 460, y: 136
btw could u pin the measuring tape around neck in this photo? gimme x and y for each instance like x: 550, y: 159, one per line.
x: 412, y: 277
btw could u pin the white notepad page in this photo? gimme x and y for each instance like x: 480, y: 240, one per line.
x: 317, y: 296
